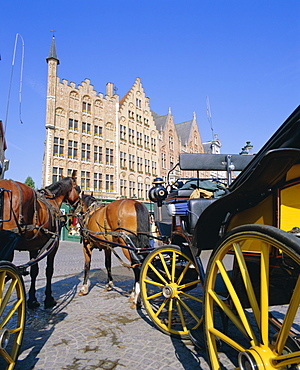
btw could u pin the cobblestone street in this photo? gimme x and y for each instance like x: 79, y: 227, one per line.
x: 97, y: 331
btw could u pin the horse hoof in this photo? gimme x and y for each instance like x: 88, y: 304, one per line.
x: 50, y: 303
x: 82, y: 293
x: 130, y: 299
x: 109, y: 286
x: 133, y: 306
x: 33, y: 304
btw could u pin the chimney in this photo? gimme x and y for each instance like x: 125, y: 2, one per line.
x: 109, y: 89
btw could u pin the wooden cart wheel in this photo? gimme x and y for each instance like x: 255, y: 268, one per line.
x: 170, y: 291
x: 251, y: 278
x: 12, y: 314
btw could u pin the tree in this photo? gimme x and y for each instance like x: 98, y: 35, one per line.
x: 29, y: 182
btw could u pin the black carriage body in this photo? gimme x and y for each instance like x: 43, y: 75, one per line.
x: 266, y: 192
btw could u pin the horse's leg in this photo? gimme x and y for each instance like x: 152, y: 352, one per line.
x: 87, y: 252
x: 32, y: 302
x: 49, y: 300
x: 109, y: 285
x: 135, y: 296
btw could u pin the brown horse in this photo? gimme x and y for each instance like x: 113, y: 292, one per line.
x: 125, y: 222
x: 31, y: 222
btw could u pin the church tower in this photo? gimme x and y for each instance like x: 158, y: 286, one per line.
x: 53, y: 62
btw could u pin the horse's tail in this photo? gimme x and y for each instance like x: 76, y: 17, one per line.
x: 143, y: 224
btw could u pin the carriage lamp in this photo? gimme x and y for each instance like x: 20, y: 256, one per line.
x: 158, y: 193
x: 4, y: 338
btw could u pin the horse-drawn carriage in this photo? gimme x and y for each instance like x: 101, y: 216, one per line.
x: 244, y: 299
x: 246, y: 314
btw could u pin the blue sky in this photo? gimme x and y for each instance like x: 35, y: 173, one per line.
x: 243, y: 55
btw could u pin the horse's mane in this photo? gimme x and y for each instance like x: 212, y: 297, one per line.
x: 88, y: 199
x: 60, y: 187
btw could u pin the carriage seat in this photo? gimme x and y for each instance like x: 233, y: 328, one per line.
x: 179, y: 194
x: 195, y: 207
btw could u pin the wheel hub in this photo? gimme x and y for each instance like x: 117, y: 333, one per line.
x: 170, y: 291
x: 4, y: 338
x: 256, y: 358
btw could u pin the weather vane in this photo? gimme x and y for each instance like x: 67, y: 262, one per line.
x: 52, y: 32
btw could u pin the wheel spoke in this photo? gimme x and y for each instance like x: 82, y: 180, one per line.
x: 159, y: 294
x: 162, y: 306
x: 189, y: 284
x: 152, y: 282
x: 158, y: 274
x: 11, y: 312
x: 289, y: 318
x: 247, y: 282
x: 226, y: 339
x: 170, y: 310
x: 165, y: 266
x: 191, y: 297
x: 173, y: 267
x: 229, y: 313
x: 286, y: 360
x: 264, y: 292
x: 236, y: 301
x: 7, y: 296
x: 179, y: 280
x: 188, y: 309
x: 184, y: 328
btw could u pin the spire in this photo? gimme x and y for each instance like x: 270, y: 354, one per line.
x: 52, y: 53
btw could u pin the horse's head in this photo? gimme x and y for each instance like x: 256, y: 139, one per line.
x: 72, y: 197
x: 86, y: 202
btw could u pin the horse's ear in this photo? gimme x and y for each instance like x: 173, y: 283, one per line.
x: 74, y: 173
x: 92, y: 193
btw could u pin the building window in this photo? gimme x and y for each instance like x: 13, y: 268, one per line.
x: 86, y: 107
x: 58, y: 147
x: 86, y: 128
x: 109, y: 183
x: 131, y: 162
x: 140, y: 190
x: 98, y: 131
x: 73, y: 124
x: 98, y: 181
x: 153, y: 144
x: 147, y: 188
x: 131, y: 136
x: 85, y: 180
x: 146, y: 142
x: 132, y: 189
x: 154, y: 168
x: 139, y: 139
x: 123, y: 187
x: 122, y: 132
x: 139, y: 164
x: 146, y: 122
x: 123, y: 164
x: 138, y: 103
x: 109, y: 160
x: 147, y: 166
x: 98, y: 154
x: 72, y: 149
x: 171, y: 143
x: 57, y: 174
x: 86, y: 152
x: 163, y: 160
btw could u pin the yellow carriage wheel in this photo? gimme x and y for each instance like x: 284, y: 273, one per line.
x: 252, y: 281
x: 12, y: 314
x: 171, y: 291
